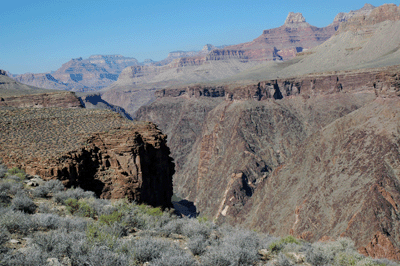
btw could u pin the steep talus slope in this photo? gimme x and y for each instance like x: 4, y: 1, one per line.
x: 229, y: 140
x: 344, y: 180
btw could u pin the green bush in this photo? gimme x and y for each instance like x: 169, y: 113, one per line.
x: 80, y: 208
x: 278, y: 245
x: 16, y: 172
x: 109, y: 219
x: 98, y: 234
x: 152, y: 211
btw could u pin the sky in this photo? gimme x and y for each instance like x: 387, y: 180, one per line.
x: 39, y: 36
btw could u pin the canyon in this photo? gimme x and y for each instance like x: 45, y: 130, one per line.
x: 307, y: 153
x: 51, y: 135
x: 295, y: 133
x: 129, y: 84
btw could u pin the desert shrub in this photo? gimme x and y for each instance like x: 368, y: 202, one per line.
x: 9, y: 188
x: 378, y: 262
x: 21, y: 202
x: 46, y: 221
x: 197, y: 244
x: 101, y: 206
x: 71, y: 224
x: 5, y: 187
x: 40, y: 192
x: 193, y: 227
x: 27, y: 257
x: 237, y: 247
x: 101, y: 255
x: 282, y: 260
x: 59, y: 244
x: 152, y: 211
x: 219, y: 257
x: 174, y: 226
x: 79, y: 208
x: 4, y: 237
x: 335, y: 252
x: 15, y: 188
x: 16, y: 172
x: 3, y: 170
x: 46, y: 207
x: 142, y: 218
x: 279, y: 245
x: 5, y: 199
x: 14, y: 178
x: 74, y: 193
x: 109, y: 219
x: 16, y: 221
x: 98, y: 234
x: 51, y: 186
x: 145, y: 249
x: 174, y: 258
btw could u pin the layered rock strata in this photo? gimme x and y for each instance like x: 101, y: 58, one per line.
x: 93, y: 149
x: 40, y: 100
x: 292, y: 156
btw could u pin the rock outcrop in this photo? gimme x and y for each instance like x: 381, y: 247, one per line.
x: 93, y: 149
x: 386, y: 12
x: 284, y: 42
x: 93, y: 73
x: 294, y: 18
x: 274, y: 155
x: 364, y: 11
x: 51, y: 99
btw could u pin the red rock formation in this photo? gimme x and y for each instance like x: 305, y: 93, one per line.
x: 284, y: 42
x: 131, y: 163
x: 379, y: 14
x: 384, y: 82
x: 309, y: 164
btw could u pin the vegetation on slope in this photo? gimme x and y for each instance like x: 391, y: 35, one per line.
x: 49, y: 225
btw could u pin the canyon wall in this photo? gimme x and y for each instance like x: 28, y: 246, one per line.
x: 50, y: 135
x: 254, y: 154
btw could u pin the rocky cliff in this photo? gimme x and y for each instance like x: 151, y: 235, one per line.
x: 364, y: 11
x: 96, y: 150
x: 93, y: 73
x: 284, y: 42
x: 277, y: 155
x: 386, y: 12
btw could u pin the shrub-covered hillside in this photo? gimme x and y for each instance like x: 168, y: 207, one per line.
x: 43, y: 223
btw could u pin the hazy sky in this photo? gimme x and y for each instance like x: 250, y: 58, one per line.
x: 39, y: 36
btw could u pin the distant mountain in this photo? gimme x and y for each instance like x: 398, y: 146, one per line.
x: 216, y: 63
x: 118, y: 73
x: 307, y: 147
x: 10, y: 87
x: 96, y: 72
